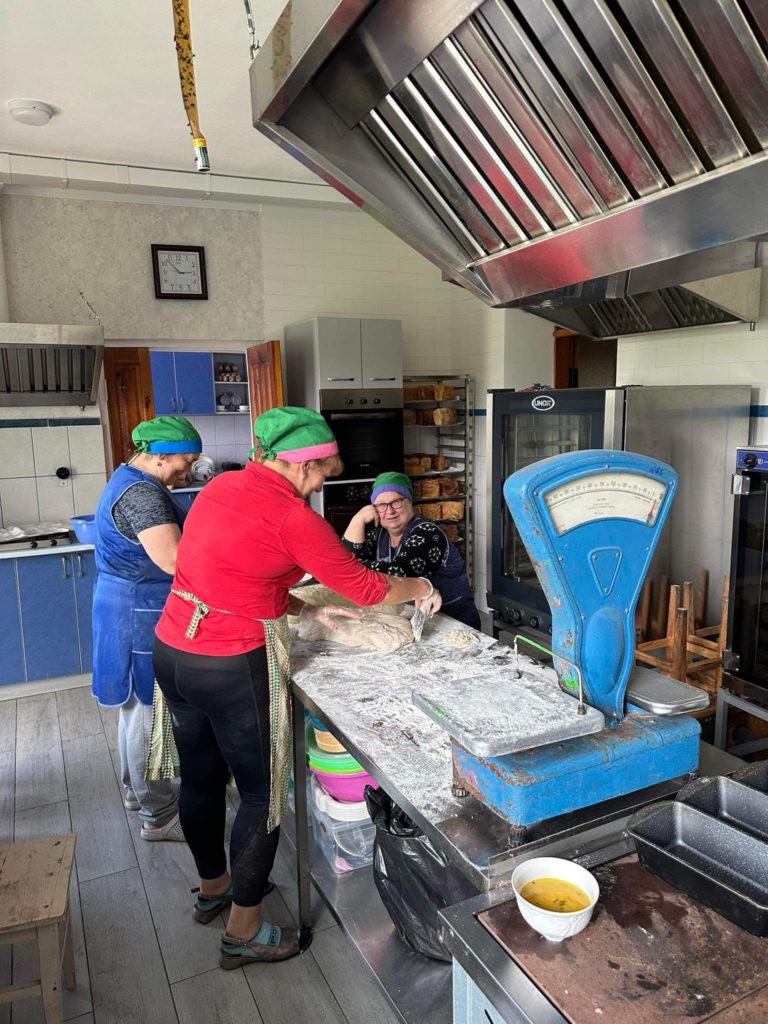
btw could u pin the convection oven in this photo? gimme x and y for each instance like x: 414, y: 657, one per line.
x: 368, y: 426
x: 692, y: 428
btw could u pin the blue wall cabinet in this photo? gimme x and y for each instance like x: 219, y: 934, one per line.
x: 48, y: 615
x: 163, y: 383
x: 194, y: 383
x: 12, y: 660
x: 182, y: 383
x: 85, y: 577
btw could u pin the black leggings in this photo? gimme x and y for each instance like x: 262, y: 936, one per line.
x: 220, y: 713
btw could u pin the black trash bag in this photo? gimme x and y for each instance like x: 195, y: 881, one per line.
x: 415, y: 881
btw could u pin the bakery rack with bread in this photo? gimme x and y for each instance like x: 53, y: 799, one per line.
x: 438, y: 420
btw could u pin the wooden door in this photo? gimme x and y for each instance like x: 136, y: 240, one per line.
x: 129, y: 396
x: 265, y: 377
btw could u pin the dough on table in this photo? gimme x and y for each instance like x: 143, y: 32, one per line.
x: 316, y: 594
x: 376, y: 631
x: 461, y: 638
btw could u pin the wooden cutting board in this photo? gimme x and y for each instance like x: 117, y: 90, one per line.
x: 650, y: 955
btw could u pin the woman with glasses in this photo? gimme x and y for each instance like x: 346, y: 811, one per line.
x: 389, y: 537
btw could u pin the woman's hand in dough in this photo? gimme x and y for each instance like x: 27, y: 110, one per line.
x: 325, y: 614
x: 430, y: 604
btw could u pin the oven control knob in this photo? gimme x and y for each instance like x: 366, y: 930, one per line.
x: 347, y: 401
x: 533, y: 622
x: 377, y: 401
x: 750, y: 461
x: 516, y: 615
x: 363, y: 401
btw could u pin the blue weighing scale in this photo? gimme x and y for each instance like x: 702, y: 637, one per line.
x: 529, y: 747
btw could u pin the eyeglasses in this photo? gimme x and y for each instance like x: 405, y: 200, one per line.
x: 394, y: 506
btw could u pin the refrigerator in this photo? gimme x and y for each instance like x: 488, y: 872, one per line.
x: 695, y: 429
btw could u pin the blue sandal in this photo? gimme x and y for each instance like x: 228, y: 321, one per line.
x: 205, y: 910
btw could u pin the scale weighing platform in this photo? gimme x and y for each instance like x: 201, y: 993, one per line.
x: 549, y: 742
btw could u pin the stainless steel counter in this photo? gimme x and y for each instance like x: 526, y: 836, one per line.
x: 364, y: 699
x: 495, y: 973
x: 62, y: 548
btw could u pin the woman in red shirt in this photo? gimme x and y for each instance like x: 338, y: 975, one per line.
x: 221, y: 658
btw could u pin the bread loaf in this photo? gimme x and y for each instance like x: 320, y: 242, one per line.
x: 444, y: 392
x: 419, y: 393
x: 426, y: 462
x: 450, y: 531
x: 439, y: 463
x: 448, y: 486
x: 452, y: 510
x: 429, y: 489
x: 413, y: 466
x: 409, y: 417
x: 425, y: 417
x: 429, y: 511
x: 444, y: 416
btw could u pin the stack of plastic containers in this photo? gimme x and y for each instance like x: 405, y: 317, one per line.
x: 342, y: 827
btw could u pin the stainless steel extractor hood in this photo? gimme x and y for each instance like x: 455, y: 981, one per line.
x: 50, y: 364
x: 571, y: 157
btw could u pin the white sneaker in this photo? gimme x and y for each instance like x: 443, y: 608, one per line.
x: 169, y: 833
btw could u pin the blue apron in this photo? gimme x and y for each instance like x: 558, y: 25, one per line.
x: 128, y: 598
x: 450, y: 579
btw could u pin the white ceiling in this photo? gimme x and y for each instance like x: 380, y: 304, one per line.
x: 109, y: 69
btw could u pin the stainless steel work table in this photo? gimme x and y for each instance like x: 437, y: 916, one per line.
x: 364, y: 700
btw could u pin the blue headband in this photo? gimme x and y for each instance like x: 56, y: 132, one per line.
x: 397, y: 488
x: 173, y: 447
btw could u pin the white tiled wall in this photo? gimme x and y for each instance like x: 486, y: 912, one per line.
x: 712, y: 355
x: 225, y: 438
x: 29, y: 457
x: 333, y: 263
x: 499, y: 349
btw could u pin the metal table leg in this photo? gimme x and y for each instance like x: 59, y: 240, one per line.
x: 721, y: 718
x: 302, y: 823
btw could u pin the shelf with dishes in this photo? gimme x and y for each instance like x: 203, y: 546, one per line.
x: 230, y: 383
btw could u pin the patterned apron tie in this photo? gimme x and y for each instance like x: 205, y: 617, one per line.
x: 163, y: 758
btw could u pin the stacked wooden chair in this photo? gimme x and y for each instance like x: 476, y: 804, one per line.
x: 672, y: 638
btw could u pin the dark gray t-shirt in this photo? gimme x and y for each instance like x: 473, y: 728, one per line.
x: 140, y: 507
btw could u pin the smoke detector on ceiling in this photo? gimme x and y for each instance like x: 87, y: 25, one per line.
x: 33, y: 112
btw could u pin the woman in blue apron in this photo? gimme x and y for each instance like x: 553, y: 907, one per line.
x: 389, y: 537
x: 138, y: 527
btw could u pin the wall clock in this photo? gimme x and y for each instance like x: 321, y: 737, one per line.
x: 179, y: 272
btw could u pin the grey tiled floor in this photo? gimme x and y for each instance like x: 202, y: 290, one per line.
x: 141, y: 959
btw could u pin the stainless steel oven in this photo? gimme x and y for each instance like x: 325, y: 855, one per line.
x: 368, y: 425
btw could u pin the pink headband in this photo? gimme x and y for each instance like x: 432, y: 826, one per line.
x: 315, y: 451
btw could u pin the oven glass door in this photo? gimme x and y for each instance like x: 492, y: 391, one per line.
x: 369, y: 442
x: 528, y: 439
x: 749, y: 625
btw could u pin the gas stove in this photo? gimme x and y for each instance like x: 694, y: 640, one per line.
x: 35, y: 535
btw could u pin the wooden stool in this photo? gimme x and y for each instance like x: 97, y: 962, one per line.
x: 34, y: 904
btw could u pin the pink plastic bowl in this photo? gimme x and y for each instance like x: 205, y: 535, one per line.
x: 347, y: 788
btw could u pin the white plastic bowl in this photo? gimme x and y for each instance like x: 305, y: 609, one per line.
x: 549, y: 923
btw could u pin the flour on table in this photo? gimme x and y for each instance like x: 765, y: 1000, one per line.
x: 461, y: 638
x: 375, y: 631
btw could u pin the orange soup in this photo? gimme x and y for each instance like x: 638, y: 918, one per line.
x: 555, y: 894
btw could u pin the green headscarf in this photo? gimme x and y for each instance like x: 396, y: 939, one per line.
x: 293, y: 434
x: 171, y: 435
x: 397, y: 482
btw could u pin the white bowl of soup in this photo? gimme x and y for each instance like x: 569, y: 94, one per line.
x: 556, y: 897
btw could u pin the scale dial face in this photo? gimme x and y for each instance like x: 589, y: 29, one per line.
x: 605, y: 496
